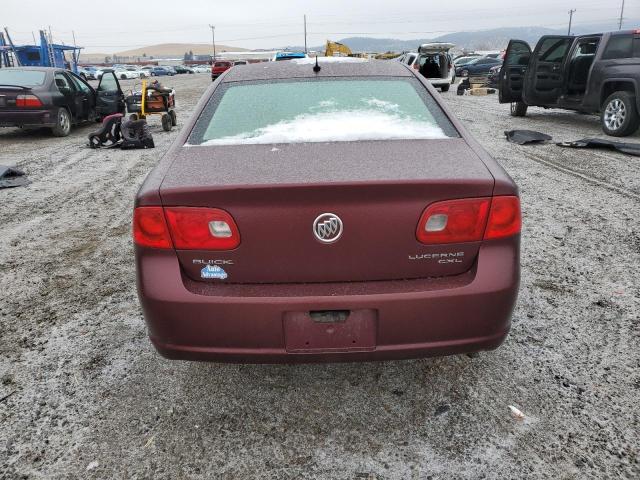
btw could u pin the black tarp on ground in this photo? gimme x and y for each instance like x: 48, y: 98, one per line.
x: 12, y: 177
x: 523, y: 137
x: 628, y: 148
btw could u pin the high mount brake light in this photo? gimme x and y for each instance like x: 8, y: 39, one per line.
x: 194, y: 228
x: 28, y: 101
x: 150, y: 228
x: 469, y: 220
x: 185, y: 228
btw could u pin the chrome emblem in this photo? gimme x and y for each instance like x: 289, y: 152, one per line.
x: 327, y: 227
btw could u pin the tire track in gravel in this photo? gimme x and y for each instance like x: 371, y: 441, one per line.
x: 588, y: 178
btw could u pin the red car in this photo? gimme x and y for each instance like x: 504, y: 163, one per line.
x: 336, y: 212
x: 219, y: 67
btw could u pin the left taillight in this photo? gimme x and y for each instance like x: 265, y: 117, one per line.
x: 196, y: 228
x: 150, y: 228
x: 28, y: 101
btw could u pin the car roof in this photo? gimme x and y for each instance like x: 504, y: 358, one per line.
x: 328, y: 68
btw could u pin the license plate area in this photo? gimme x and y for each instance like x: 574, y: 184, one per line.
x: 320, y: 331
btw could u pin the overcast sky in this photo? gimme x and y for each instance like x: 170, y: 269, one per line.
x: 116, y: 25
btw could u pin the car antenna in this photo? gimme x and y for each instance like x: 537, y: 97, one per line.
x: 316, y: 67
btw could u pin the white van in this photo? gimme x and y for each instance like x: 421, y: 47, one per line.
x: 434, y: 63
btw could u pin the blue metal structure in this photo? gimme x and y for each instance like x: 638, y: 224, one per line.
x: 47, y: 54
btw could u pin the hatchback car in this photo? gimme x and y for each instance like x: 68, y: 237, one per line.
x: 36, y: 97
x: 325, y: 214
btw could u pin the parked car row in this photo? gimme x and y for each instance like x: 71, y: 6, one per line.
x: 124, y: 72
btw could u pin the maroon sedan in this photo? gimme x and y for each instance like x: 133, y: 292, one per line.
x: 326, y: 213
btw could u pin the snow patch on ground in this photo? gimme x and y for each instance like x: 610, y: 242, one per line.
x: 349, y: 126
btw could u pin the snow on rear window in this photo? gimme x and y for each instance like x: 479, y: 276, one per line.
x: 318, y: 111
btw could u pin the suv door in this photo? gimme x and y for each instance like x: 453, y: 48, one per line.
x: 544, y: 80
x: 109, y: 96
x: 514, y: 66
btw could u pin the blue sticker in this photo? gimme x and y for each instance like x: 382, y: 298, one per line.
x: 213, y: 271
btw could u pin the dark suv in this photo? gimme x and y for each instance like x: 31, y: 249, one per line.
x: 597, y: 73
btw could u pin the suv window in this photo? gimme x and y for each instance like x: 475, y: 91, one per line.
x: 554, y: 49
x: 518, y: 55
x: 619, y: 46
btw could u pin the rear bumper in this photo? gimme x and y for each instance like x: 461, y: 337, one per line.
x: 27, y: 118
x: 246, y: 323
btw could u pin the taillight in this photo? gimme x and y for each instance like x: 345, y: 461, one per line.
x: 194, y: 228
x: 150, y: 228
x: 454, y: 221
x: 470, y: 220
x: 28, y: 101
x: 505, y: 218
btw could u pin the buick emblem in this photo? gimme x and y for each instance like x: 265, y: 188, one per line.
x: 327, y: 227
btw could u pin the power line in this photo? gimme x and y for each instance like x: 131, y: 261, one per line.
x: 621, y: 16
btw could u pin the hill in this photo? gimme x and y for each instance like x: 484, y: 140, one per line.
x: 177, y: 50
x: 494, y: 39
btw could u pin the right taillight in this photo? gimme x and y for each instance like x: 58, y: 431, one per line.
x: 196, y: 228
x: 28, y: 101
x: 505, y: 218
x: 454, y: 221
x: 469, y: 220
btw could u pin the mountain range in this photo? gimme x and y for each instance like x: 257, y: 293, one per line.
x: 494, y: 39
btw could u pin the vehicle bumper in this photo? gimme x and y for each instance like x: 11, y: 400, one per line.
x: 406, y: 318
x: 27, y: 118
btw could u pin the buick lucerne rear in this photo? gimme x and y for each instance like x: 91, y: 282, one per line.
x: 331, y: 214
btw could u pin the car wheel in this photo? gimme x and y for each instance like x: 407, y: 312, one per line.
x: 619, y: 115
x: 444, y: 88
x: 63, y: 123
x: 518, y: 109
x: 123, y: 77
x: 174, y: 118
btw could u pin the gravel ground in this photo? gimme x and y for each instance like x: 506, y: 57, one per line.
x: 84, y: 395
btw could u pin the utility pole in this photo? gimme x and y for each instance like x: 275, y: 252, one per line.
x: 213, y: 37
x: 621, y: 16
x: 571, y: 12
x: 305, y: 34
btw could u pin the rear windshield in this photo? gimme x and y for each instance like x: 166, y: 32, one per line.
x: 222, y: 64
x: 328, y: 110
x: 21, y: 78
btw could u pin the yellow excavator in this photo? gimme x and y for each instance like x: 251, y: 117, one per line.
x: 335, y: 49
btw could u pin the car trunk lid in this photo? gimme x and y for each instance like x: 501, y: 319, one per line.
x: 377, y: 189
